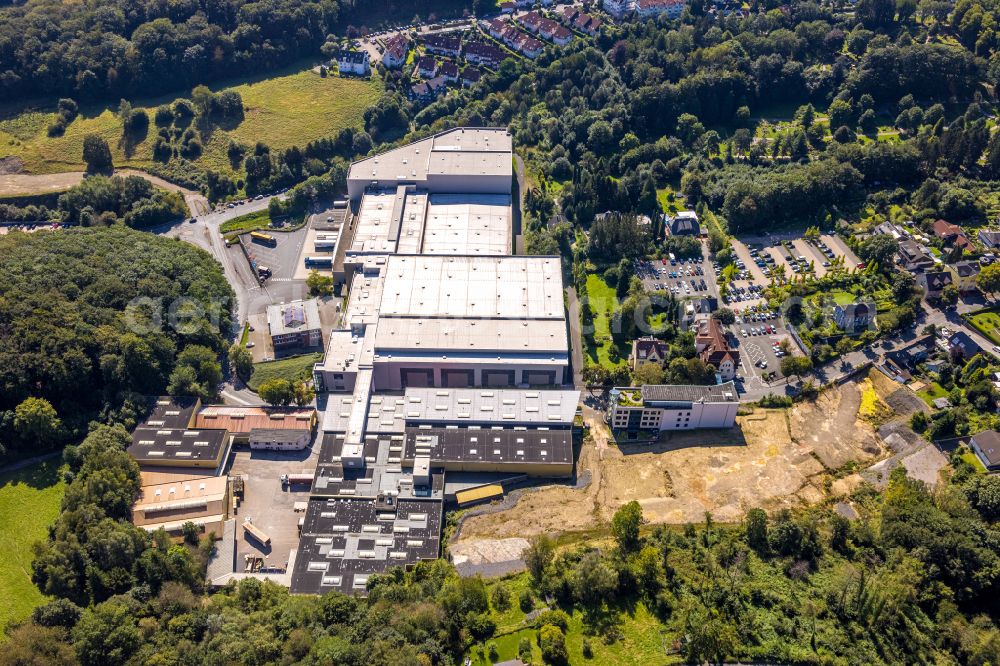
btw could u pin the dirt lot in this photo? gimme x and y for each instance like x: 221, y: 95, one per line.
x: 773, y: 459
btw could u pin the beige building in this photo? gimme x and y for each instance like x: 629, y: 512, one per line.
x: 204, y: 501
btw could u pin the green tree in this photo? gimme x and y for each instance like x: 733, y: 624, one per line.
x: 795, y: 366
x: 755, y: 526
x: 552, y: 643
x: 949, y: 295
x: 276, y: 392
x: 96, y: 153
x: 241, y: 361
x: 988, y: 279
x: 538, y: 556
x: 37, y: 423
x: 625, y: 525
x: 319, y: 284
x: 593, y: 580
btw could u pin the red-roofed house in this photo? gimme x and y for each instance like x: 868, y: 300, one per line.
x: 712, y: 346
x: 396, y: 49
x: 648, y: 350
x: 952, y: 234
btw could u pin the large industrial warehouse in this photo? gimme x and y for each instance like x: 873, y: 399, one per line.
x: 446, y: 372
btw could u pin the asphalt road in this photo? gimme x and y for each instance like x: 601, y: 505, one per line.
x: 250, y: 296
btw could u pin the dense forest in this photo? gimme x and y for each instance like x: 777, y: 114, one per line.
x: 93, y: 319
x: 106, y: 50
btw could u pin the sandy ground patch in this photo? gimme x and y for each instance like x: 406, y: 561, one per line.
x: 773, y: 459
x: 487, y: 551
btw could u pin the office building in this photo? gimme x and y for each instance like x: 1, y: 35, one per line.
x: 673, y: 407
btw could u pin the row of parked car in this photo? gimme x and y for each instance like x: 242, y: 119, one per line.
x: 767, y: 329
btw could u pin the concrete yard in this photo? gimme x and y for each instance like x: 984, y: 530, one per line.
x: 267, y: 503
x: 773, y: 459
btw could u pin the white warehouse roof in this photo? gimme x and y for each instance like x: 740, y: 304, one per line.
x: 473, y: 287
x: 487, y: 405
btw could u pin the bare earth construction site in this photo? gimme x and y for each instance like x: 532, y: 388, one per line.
x: 772, y: 459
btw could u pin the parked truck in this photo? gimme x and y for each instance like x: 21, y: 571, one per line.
x: 305, y: 478
x: 258, y: 534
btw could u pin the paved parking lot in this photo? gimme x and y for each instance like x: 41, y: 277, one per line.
x: 282, y: 257
x: 682, y: 277
x: 270, y: 506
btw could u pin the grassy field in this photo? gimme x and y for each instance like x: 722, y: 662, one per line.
x: 986, y: 322
x: 292, y: 107
x: 932, y: 392
x: 603, y: 302
x: 292, y: 369
x: 640, y: 641
x: 29, y: 502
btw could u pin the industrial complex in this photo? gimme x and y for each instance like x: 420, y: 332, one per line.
x: 446, y: 378
x: 447, y: 369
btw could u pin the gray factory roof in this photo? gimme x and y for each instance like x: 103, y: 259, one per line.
x: 499, y: 447
x: 476, y: 287
x: 169, y: 412
x: 485, y: 405
x: 168, y: 445
x: 685, y: 393
x: 460, y: 151
x: 383, y: 471
x: 345, y: 541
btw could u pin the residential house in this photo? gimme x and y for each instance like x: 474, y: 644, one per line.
x: 588, y: 24
x: 650, y: 8
x: 684, y: 223
x: 951, y: 234
x: 854, y: 318
x: 444, y: 45
x: 890, y: 229
x: 495, y: 28
x: 568, y: 14
x: 648, y: 350
x: 507, y: 7
x: 990, y: 238
x: 449, y: 71
x: 986, y: 446
x: 900, y: 363
x: 712, y: 346
x: 933, y: 282
x: 960, y: 344
x: 561, y: 36
x: 698, y: 309
x: 427, y: 67
x: 530, y: 47
x: 618, y: 8
x: 487, y: 55
x: 963, y: 275
x: 426, y: 92
x: 353, y: 62
x: 913, y: 257
x: 470, y: 76
x: 397, y: 48
x: 532, y: 22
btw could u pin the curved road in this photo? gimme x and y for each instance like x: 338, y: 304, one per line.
x: 250, y: 296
